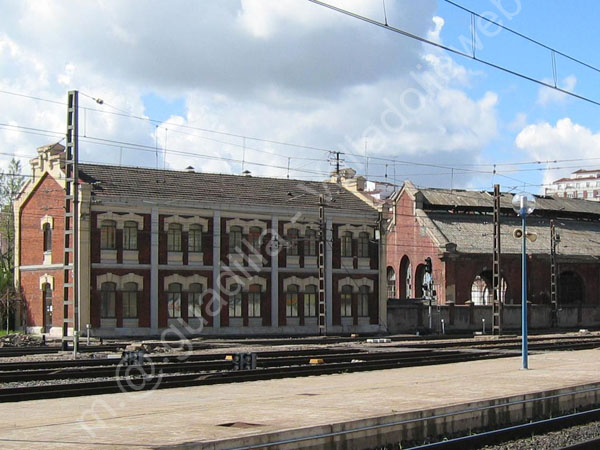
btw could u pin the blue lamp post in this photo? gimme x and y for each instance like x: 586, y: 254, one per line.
x: 524, y: 205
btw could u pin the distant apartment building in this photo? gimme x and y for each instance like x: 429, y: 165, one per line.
x: 583, y: 184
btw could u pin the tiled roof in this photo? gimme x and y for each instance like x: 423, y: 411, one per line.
x: 473, y: 233
x: 111, y: 182
x: 485, y: 201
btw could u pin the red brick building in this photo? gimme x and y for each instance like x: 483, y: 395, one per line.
x: 455, y: 229
x: 205, y: 253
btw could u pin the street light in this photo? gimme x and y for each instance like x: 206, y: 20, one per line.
x: 524, y: 204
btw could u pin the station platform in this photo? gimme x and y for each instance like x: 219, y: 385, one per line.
x: 303, y: 412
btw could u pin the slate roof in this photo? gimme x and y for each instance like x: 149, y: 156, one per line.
x: 473, y: 233
x: 113, y: 182
x: 438, y: 198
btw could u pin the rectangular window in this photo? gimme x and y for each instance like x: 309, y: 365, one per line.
x: 174, y: 301
x: 130, y: 231
x: 254, y: 239
x: 363, y: 245
x: 254, y: 303
x: 363, y: 301
x: 174, y: 238
x: 108, y: 230
x: 235, y: 240
x: 195, y: 239
x: 310, y: 243
x: 310, y: 301
x: 107, y: 303
x: 292, y: 244
x: 195, y: 300
x: 346, y: 301
x: 130, y: 301
x: 235, y: 301
x: 47, y: 238
x: 347, y: 244
x: 291, y: 301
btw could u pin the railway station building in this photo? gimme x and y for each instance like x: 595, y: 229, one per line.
x: 455, y: 229
x: 205, y: 253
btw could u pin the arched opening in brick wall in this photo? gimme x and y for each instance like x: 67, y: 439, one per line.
x: 571, y: 288
x: 482, y: 290
x: 391, y: 282
x: 405, y: 278
x: 419, y: 281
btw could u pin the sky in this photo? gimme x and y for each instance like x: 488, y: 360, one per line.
x: 277, y: 87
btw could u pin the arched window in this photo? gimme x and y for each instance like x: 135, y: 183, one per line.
x: 130, y: 297
x: 130, y: 235
x: 195, y: 300
x: 174, y: 237
x: 235, y: 239
x: 254, y: 293
x: 346, y: 299
x: 47, y: 237
x: 174, y: 300
x: 363, y: 244
x: 108, y: 230
x: 571, y: 289
x: 291, y: 301
x: 347, y: 243
x: 254, y: 238
x: 107, y: 303
x: 310, y: 300
x: 292, y: 238
x: 391, y: 282
x: 235, y: 301
x: 363, y: 301
x: 310, y: 243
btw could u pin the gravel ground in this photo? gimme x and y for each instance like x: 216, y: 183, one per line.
x: 553, y: 440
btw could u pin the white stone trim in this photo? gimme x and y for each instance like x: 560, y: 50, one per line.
x: 120, y: 219
x: 108, y: 278
x: 46, y: 279
x: 300, y: 282
x: 245, y: 224
x: 47, y: 219
x: 356, y: 230
x: 356, y: 283
x: 133, y: 278
x: 185, y: 222
x: 246, y: 282
x: 301, y: 227
x: 185, y: 281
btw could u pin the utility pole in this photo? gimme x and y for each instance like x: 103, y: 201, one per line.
x: 496, y: 275
x: 322, y: 241
x: 71, y: 241
x: 337, y: 163
x: 554, y: 239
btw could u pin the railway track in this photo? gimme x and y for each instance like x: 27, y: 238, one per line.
x: 295, y: 366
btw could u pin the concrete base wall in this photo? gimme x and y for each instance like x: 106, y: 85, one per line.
x: 408, y: 316
x: 438, y: 423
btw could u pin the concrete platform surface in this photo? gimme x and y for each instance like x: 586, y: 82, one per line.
x: 199, y: 414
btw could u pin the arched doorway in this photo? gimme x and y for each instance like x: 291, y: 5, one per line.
x: 391, y: 282
x: 405, y: 278
x: 571, y: 289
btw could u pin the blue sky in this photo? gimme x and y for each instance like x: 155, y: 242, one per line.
x: 209, y: 77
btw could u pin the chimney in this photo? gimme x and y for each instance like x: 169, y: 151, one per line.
x: 48, y: 157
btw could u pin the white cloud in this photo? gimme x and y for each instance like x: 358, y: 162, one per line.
x: 290, y: 72
x: 565, y: 140
x: 547, y: 95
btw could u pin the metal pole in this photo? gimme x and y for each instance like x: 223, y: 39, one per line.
x: 524, y: 290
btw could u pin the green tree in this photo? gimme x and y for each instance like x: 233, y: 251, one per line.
x: 11, y: 184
